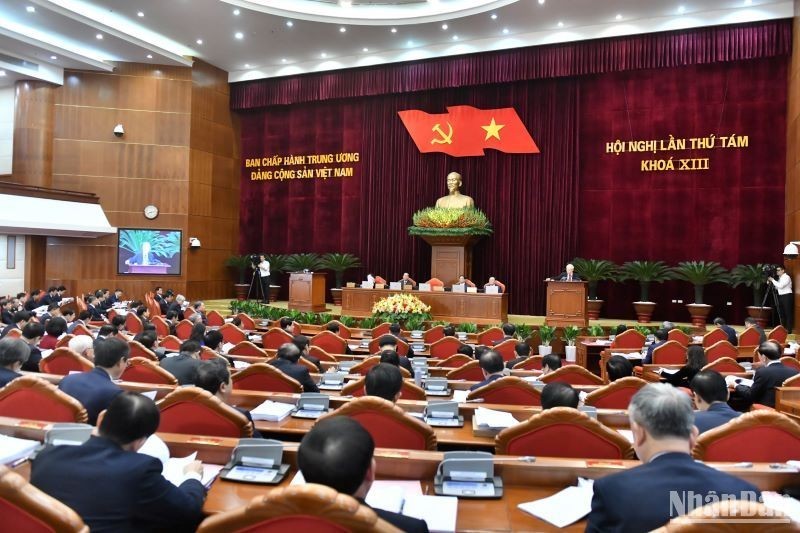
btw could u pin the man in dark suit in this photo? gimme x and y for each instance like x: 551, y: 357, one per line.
x: 662, y: 336
x: 509, y: 330
x: 729, y: 331
x: 394, y: 330
x: 491, y: 364
x: 177, y: 306
x: 32, y: 333
x: 338, y: 452
x: 95, y: 389
x: 522, y: 351
x: 389, y: 343
x: 772, y: 374
x: 302, y: 342
x: 18, y: 321
x: 559, y: 394
x: 49, y: 298
x: 550, y: 363
x: 7, y: 313
x: 165, y: 302
x: 214, y: 376
x: 669, y: 483
x: 13, y: 354
x: 114, y: 298
x: 384, y: 380
x: 113, y: 488
x: 711, y: 399
x: 751, y: 322
x: 93, y: 306
x: 200, y: 309
x: 286, y: 362
x: 568, y: 274
x: 184, y: 365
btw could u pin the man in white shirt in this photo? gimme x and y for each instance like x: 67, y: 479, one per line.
x: 263, y: 276
x: 785, y: 297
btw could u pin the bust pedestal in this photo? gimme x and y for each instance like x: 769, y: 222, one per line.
x: 451, y: 256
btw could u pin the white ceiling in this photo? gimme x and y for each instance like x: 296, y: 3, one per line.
x: 285, y: 37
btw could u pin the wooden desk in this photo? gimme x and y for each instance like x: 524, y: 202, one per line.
x: 787, y: 401
x: 456, y: 307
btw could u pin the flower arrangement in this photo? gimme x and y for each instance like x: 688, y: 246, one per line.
x: 401, y: 307
x: 450, y: 221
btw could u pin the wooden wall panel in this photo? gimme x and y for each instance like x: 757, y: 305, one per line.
x: 32, y: 157
x: 793, y: 158
x: 89, y: 158
x: 141, y: 126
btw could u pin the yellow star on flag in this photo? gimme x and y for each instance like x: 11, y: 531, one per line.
x: 493, y: 130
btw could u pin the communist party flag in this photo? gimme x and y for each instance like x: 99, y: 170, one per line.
x: 466, y: 131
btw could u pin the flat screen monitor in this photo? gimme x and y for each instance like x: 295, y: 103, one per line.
x: 149, y: 252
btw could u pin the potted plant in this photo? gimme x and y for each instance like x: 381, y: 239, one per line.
x: 645, y: 272
x: 369, y: 322
x: 753, y: 276
x: 240, y: 264
x: 462, y: 330
x: 277, y: 265
x: 546, y: 334
x: 302, y: 262
x: 596, y: 330
x: 339, y: 264
x: 415, y: 325
x: 594, y: 271
x: 348, y: 321
x: 523, y: 331
x: 570, y: 336
x: 700, y: 274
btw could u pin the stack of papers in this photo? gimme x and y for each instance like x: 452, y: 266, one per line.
x: 391, y: 495
x: 173, y: 470
x: 227, y: 347
x: 633, y: 355
x: 565, y: 507
x: 732, y: 381
x: 240, y: 365
x: 460, y: 396
x: 785, y: 504
x: 272, y: 411
x: 13, y: 449
x: 494, y: 419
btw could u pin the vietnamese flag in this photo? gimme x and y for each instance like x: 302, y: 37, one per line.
x: 467, y: 131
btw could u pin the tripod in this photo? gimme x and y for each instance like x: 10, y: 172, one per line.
x: 771, y: 290
x: 255, y: 285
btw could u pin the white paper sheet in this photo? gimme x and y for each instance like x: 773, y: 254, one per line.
x: 390, y: 495
x: 13, y: 449
x: 668, y: 370
x: 150, y: 394
x: 494, y: 419
x: 627, y: 433
x: 460, y: 396
x: 272, y: 411
x: 240, y: 365
x: 785, y: 504
x: 173, y: 470
x: 565, y: 507
x: 439, y: 512
x: 733, y: 381
x: 227, y: 347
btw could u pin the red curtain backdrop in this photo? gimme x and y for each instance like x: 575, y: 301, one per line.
x: 573, y: 198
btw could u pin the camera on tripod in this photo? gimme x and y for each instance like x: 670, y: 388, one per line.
x: 770, y: 271
x: 255, y: 259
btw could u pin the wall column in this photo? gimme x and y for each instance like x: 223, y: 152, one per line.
x: 32, y: 163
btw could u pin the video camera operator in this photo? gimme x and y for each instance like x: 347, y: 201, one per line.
x: 263, y: 275
x: 783, y: 285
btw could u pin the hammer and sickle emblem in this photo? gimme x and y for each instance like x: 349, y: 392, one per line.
x: 444, y: 138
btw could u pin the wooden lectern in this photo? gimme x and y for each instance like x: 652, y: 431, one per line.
x: 451, y: 256
x: 566, y: 304
x: 307, y: 291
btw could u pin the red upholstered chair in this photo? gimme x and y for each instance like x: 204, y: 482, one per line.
x: 508, y: 390
x: 138, y: 350
x: 34, y: 398
x: 171, y: 342
x: 750, y: 337
x: 670, y: 353
x: 791, y: 362
x: 141, y: 370
x: 713, y: 337
x: 309, y: 507
x: 329, y: 341
x: 408, y: 391
x: 380, y: 329
x: 563, y: 432
x: 249, y: 349
x: 312, y: 368
x: 380, y: 280
x: 274, y: 338
x: 133, y: 324
x: 194, y: 411
x: 232, y: 334
x: 14, y: 334
x: 678, y: 336
x: 64, y: 341
x: 364, y: 366
x: 534, y: 362
x: 388, y: 424
x: 630, y: 339
x: 162, y: 328
x: 574, y: 375
x: 344, y: 331
x: 434, y: 334
x: 721, y: 349
x: 110, y: 314
x: 207, y: 354
x: 183, y: 329
x: 779, y: 334
x: 777, y: 434
x: 188, y: 312
x: 724, y: 364
x: 445, y: 347
x: 296, y: 329
x: 322, y: 355
x: 214, y: 318
x: 265, y: 377
x: 25, y: 508
x: 468, y: 372
x: 793, y: 381
x: 454, y: 361
x: 375, y: 344
x: 488, y: 337
x: 730, y: 516
x: 435, y: 282
x: 80, y: 329
x: 615, y: 395
x: 248, y: 324
x: 506, y: 349
x: 63, y: 361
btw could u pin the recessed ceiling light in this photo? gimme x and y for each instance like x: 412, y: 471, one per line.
x: 342, y: 29
x: 53, y: 57
x: 149, y: 56
x: 455, y: 37
x: 239, y: 35
x: 505, y: 31
x: 494, y: 16
x: 346, y: 3
x: 30, y: 9
x: 289, y: 23
x: 393, y: 30
x: 681, y: 9
x: 323, y: 55
x: 541, y: 2
x: 140, y: 14
x: 2, y: 72
x: 748, y: 2
x: 410, y: 42
x: 619, y: 16
x: 283, y: 60
x: 365, y: 49
x: 199, y: 41
x: 560, y: 24
x: 236, y: 12
x: 99, y: 36
x: 445, y: 26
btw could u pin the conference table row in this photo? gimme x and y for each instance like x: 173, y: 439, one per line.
x: 525, y: 479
